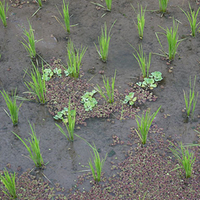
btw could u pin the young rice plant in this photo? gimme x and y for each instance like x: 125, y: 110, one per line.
x: 186, y: 159
x: 39, y: 3
x: 144, y: 125
x: 163, y: 5
x: 108, y: 4
x: 11, y: 103
x: 71, y: 119
x: 109, y: 89
x: 172, y: 39
x: 140, y: 20
x: 3, y: 12
x: 191, y: 99
x: 37, y: 85
x: 9, y: 183
x: 97, y: 167
x: 29, y: 44
x: 142, y: 61
x: 104, y: 42
x: 74, y: 59
x: 192, y: 18
x: 34, y: 149
x: 65, y: 16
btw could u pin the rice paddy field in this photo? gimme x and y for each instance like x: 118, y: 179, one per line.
x: 74, y: 68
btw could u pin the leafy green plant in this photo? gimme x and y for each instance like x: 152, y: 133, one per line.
x: 109, y: 89
x: 34, y: 149
x: 130, y: 98
x: 74, y: 59
x: 157, y: 76
x: 60, y: 115
x: 140, y: 20
x: 12, y: 106
x: 3, y: 12
x: 172, y: 39
x: 9, y: 183
x: 144, y: 124
x: 186, y: 159
x: 97, y: 167
x: 163, y: 5
x: 88, y: 100
x: 104, y: 42
x: 192, y: 18
x: 57, y: 71
x: 71, y: 120
x: 47, y: 74
x: 37, y: 85
x: 151, y: 82
x: 108, y: 4
x: 142, y: 61
x: 191, y: 99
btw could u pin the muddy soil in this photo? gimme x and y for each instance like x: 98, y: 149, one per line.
x: 65, y: 159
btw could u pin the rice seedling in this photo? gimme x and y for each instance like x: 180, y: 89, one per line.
x: 71, y: 119
x: 191, y: 99
x: 39, y: 3
x: 192, y: 18
x: 3, y: 12
x: 172, y: 39
x: 185, y: 158
x: 9, y: 183
x: 144, y: 124
x: 97, y: 167
x: 11, y: 103
x: 109, y: 89
x: 74, y: 59
x: 34, y: 149
x: 104, y: 42
x: 142, y: 61
x: 65, y: 17
x: 37, y: 85
x: 163, y: 5
x: 108, y: 4
x: 29, y: 44
x: 140, y: 20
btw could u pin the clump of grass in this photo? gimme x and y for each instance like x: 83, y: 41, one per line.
x: 9, y: 183
x: 104, y: 42
x: 71, y: 120
x: 191, y: 99
x: 37, y: 85
x: 109, y: 89
x: 172, y: 39
x: 34, y: 149
x: 186, y: 159
x: 140, y: 20
x: 108, y: 4
x: 3, y: 12
x: 65, y: 16
x: 74, y: 59
x: 144, y: 124
x: 11, y: 103
x: 29, y: 44
x: 163, y: 5
x: 142, y: 61
x: 97, y: 167
x: 192, y: 18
